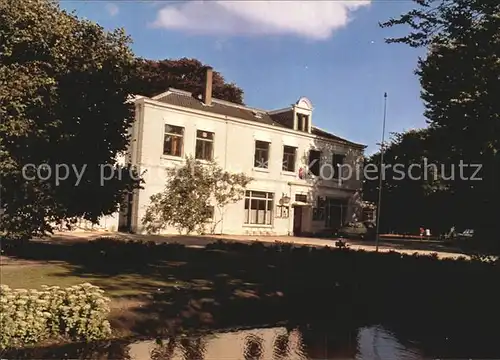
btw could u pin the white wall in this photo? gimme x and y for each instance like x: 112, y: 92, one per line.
x: 234, y: 146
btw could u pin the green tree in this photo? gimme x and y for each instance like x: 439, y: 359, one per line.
x: 155, y: 76
x: 413, y: 194
x: 189, y: 193
x: 64, y: 85
x: 460, y: 87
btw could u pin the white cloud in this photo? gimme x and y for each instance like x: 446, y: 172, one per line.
x: 309, y: 19
x: 112, y: 9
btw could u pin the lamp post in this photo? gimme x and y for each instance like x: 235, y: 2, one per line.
x: 380, y: 174
x: 1, y: 174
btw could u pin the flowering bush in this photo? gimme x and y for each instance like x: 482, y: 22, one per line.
x: 28, y: 316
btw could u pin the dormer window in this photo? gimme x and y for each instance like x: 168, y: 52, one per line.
x: 303, y: 122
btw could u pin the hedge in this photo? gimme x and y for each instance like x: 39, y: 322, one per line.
x: 29, y: 316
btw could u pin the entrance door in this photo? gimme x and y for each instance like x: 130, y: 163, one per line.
x: 297, y: 220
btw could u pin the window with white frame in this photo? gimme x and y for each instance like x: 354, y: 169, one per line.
x: 301, y: 198
x: 173, y: 140
x: 258, y: 207
x: 289, y: 154
x: 261, y: 158
x: 204, y: 145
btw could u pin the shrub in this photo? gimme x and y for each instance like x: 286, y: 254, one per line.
x: 29, y: 316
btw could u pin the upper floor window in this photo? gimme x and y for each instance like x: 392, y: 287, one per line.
x: 173, y: 140
x: 303, y: 122
x: 261, y: 159
x: 314, y: 162
x: 258, y: 207
x: 289, y: 154
x: 204, y: 145
x: 337, y: 162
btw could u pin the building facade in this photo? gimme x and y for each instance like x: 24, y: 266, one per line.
x: 295, y: 187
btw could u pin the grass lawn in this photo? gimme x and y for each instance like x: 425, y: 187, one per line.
x: 164, y: 288
x: 33, y: 276
x: 128, y: 292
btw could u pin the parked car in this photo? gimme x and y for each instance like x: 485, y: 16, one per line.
x: 358, y: 230
x: 466, y: 234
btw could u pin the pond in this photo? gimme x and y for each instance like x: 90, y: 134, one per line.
x: 278, y: 343
x: 374, y: 342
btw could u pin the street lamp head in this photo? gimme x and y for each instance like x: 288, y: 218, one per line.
x: 285, y: 199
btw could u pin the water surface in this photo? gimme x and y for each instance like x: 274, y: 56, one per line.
x: 277, y: 343
x: 373, y: 342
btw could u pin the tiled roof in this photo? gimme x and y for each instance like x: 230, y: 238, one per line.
x: 283, y: 117
x: 219, y: 107
x: 327, y: 135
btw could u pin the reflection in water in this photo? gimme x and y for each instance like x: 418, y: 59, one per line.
x: 163, y: 351
x: 274, y: 344
x: 379, y: 344
x: 281, y: 347
x: 278, y: 343
x: 253, y: 347
x: 193, y: 348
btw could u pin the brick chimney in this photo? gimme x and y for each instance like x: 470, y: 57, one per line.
x: 207, y: 92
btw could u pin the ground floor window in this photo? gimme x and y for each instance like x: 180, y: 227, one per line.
x: 335, y: 212
x: 258, y: 207
x: 301, y: 198
x: 330, y: 210
x: 320, y: 209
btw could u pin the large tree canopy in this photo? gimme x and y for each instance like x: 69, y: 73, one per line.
x: 460, y: 86
x: 154, y: 77
x: 413, y: 194
x: 65, y: 82
x: 63, y: 105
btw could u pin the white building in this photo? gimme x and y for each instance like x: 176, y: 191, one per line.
x: 273, y: 147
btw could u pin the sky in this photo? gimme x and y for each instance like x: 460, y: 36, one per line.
x: 332, y: 52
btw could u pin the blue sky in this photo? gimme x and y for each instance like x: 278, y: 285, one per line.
x: 332, y: 52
